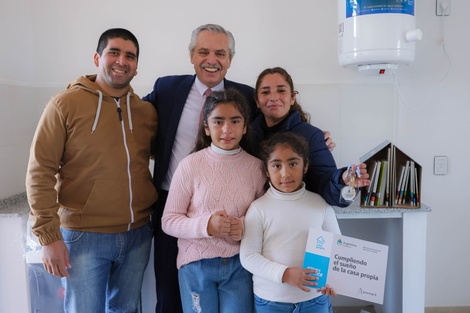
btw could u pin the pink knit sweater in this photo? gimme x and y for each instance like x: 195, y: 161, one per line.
x: 203, y: 183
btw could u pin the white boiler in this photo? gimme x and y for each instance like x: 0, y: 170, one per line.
x: 376, y: 32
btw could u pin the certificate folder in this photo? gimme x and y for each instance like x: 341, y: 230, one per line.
x: 352, y: 267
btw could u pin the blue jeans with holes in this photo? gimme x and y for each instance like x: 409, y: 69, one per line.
x: 319, y: 304
x: 216, y: 285
x: 107, y: 270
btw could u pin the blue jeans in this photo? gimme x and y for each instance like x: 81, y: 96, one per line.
x: 319, y: 304
x: 216, y: 285
x: 107, y: 270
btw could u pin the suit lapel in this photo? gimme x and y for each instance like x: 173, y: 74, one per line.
x: 177, y: 100
x: 181, y: 93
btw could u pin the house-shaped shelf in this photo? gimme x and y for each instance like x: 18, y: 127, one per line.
x: 395, y: 179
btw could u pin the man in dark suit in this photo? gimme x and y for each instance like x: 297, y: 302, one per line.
x: 179, y: 100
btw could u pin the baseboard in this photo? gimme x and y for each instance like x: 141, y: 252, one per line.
x: 354, y: 309
x: 461, y: 309
x: 370, y: 309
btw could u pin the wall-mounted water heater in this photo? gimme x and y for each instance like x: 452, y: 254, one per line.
x: 376, y: 35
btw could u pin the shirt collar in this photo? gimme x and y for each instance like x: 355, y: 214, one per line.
x: 225, y: 152
x: 201, y: 88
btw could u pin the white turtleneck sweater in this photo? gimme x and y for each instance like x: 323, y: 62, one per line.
x: 276, y: 231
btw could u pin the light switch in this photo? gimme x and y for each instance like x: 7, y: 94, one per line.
x: 442, y: 7
x: 440, y: 165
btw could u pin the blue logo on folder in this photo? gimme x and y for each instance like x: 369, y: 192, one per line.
x: 320, y: 243
x: 319, y: 263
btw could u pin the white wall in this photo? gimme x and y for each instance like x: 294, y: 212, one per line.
x: 442, y: 127
x: 47, y: 43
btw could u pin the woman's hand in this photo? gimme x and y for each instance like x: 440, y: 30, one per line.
x: 361, y: 181
x: 329, y: 142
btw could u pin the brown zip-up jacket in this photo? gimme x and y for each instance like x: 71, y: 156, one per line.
x: 89, y: 163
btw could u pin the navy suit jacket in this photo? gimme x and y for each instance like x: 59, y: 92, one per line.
x: 169, y: 97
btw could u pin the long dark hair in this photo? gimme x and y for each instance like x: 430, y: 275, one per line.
x: 231, y: 96
x: 305, y: 117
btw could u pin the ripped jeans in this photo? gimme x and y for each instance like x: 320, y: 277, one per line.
x: 216, y: 285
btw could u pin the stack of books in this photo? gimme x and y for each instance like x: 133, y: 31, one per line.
x: 395, y: 178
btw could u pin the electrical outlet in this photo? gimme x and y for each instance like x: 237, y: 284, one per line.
x: 440, y: 165
x: 442, y: 7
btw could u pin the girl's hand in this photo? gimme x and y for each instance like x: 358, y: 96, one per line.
x: 300, y: 278
x: 219, y: 224
x: 236, y: 229
x: 327, y: 291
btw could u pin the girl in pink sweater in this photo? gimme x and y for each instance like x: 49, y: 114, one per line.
x: 209, y: 195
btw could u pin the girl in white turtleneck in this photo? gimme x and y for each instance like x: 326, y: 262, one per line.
x: 209, y: 195
x: 276, y: 231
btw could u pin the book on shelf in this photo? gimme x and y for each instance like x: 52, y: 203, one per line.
x: 416, y: 198
x: 372, y: 179
x: 373, y: 196
x: 404, y: 193
x: 412, y: 185
x: 400, y: 184
x: 402, y: 187
x: 387, y: 186
x: 382, y: 183
x: 395, y: 178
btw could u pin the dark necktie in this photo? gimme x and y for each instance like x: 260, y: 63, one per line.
x: 206, y: 93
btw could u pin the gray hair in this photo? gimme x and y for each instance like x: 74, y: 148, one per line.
x: 212, y: 28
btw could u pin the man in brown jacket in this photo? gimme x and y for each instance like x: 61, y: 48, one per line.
x: 89, y: 185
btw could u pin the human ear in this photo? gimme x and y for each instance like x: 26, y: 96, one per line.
x: 294, y: 96
x: 306, y: 167
x: 207, y: 130
x: 96, y: 59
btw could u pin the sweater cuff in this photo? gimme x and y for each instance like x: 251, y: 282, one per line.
x: 47, y: 236
x: 280, y: 273
x: 338, y: 176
